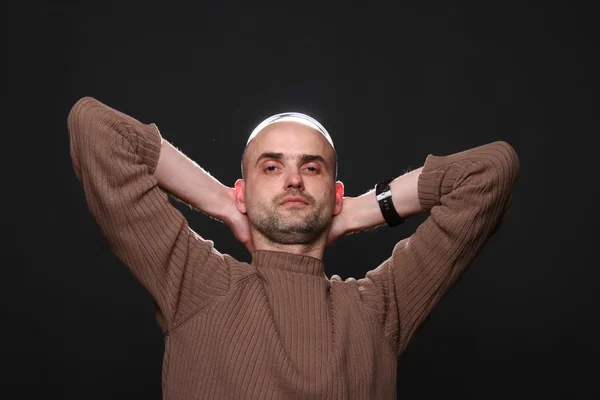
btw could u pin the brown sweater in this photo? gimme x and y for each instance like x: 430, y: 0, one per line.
x: 278, y: 328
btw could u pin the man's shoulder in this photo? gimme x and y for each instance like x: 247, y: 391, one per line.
x: 238, y: 270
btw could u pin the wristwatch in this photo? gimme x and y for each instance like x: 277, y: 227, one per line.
x: 383, y: 194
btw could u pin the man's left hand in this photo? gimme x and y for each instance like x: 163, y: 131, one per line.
x: 341, y: 222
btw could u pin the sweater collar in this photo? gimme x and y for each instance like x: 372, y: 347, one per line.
x: 288, y: 262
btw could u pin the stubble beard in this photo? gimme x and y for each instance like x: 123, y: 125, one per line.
x: 282, y: 229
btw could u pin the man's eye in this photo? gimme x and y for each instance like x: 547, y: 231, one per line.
x: 312, y: 169
x: 271, y: 168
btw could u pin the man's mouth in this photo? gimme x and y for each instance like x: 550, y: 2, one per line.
x: 294, y: 201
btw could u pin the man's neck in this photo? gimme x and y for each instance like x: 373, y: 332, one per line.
x: 314, y: 250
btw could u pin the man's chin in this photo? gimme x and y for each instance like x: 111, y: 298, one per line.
x: 293, y: 211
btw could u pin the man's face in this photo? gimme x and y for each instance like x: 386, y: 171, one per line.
x: 289, y: 189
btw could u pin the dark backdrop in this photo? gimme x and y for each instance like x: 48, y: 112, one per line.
x: 392, y: 84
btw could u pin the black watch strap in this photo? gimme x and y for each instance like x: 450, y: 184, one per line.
x: 383, y: 194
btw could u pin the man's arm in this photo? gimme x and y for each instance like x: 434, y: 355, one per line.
x: 116, y: 159
x: 467, y: 195
x: 190, y: 183
x: 363, y: 212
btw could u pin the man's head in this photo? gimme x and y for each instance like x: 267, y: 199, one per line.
x: 289, y: 191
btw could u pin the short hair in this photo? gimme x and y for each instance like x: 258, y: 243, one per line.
x: 292, y: 117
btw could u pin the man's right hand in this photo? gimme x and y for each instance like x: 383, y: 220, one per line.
x: 186, y: 180
x: 238, y: 223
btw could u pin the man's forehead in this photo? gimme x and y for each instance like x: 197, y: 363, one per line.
x: 321, y: 147
x: 285, y: 142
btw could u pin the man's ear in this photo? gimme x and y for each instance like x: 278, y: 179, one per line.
x: 339, y: 197
x: 239, y: 188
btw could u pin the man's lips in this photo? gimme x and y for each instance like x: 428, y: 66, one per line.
x: 294, y: 200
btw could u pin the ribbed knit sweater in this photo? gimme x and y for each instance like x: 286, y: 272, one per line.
x: 279, y: 328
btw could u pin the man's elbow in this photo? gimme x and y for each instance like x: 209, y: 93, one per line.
x: 503, y: 165
x: 80, y: 114
x: 79, y: 122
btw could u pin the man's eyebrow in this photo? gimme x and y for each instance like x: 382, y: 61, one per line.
x: 304, y: 158
x: 274, y: 156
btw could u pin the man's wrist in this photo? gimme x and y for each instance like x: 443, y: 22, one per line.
x: 224, y: 205
x: 383, y: 194
x: 362, y: 213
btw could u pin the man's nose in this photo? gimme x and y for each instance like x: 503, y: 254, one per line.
x: 294, y: 179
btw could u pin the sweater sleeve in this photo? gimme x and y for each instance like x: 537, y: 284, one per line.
x: 114, y: 157
x: 467, y: 195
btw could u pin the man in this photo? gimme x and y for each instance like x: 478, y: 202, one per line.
x: 278, y: 328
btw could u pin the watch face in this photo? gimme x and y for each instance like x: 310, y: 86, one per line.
x: 381, y: 187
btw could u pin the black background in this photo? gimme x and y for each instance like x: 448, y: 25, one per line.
x: 392, y: 83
